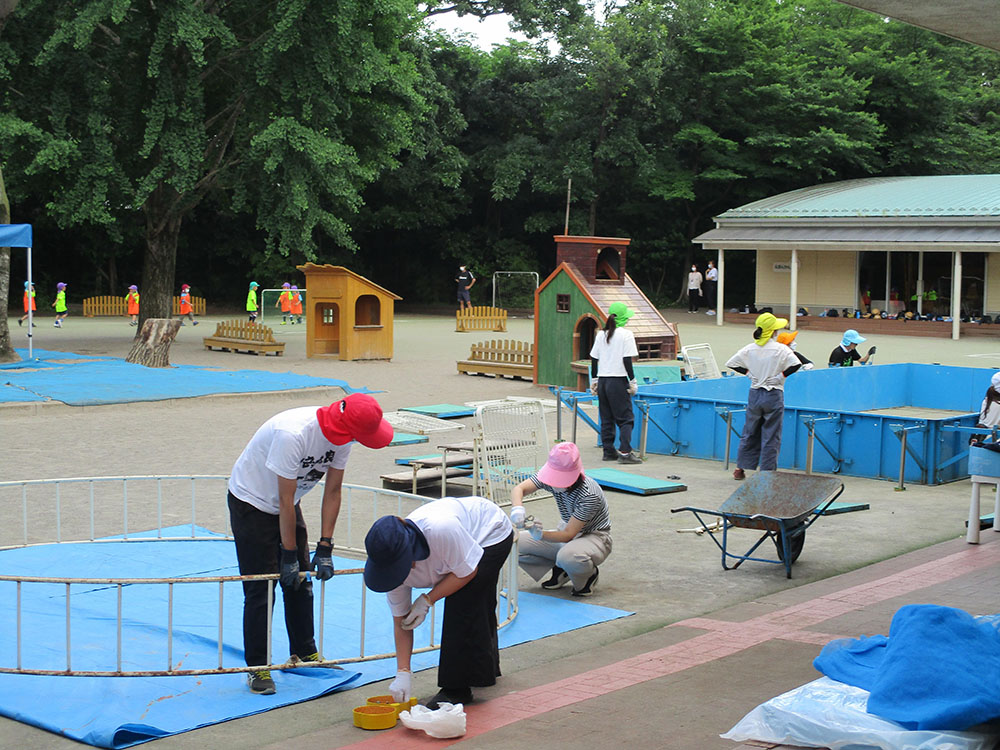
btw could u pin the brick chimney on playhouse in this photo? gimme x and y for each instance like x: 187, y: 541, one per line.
x: 600, y: 260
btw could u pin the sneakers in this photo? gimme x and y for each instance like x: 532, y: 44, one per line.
x: 450, y: 695
x: 629, y: 458
x: 610, y: 456
x: 261, y: 682
x: 314, y: 656
x: 193, y: 322
x: 557, y: 580
x: 589, y: 586
x: 739, y: 474
x: 57, y: 324
x: 710, y: 312
x: 20, y: 322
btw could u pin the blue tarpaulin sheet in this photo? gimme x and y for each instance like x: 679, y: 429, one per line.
x: 85, y: 381
x: 938, y: 669
x: 15, y: 235
x: 119, y: 712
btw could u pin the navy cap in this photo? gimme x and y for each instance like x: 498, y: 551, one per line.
x: 393, y: 545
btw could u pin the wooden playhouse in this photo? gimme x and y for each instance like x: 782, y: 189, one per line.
x: 347, y: 316
x: 571, y: 305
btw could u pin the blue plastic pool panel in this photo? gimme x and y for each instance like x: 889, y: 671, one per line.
x: 689, y: 419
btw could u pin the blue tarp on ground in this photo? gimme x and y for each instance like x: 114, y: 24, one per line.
x: 938, y: 669
x: 123, y: 711
x: 85, y: 381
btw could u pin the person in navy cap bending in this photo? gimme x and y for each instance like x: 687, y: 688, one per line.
x: 287, y: 456
x: 455, y: 547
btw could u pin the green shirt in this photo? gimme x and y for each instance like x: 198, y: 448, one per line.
x: 252, y: 301
x: 60, y: 302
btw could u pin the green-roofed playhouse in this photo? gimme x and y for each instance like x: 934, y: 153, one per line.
x: 572, y: 304
x: 815, y: 247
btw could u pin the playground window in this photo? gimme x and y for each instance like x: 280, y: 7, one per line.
x: 367, y: 311
x: 562, y: 303
x: 329, y: 316
x: 649, y: 350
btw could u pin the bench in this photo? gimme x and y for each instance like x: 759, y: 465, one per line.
x: 481, y: 319
x: 515, y: 359
x: 244, y: 336
x: 115, y: 306
x: 421, y: 477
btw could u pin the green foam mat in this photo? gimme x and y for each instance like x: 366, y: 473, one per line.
x: 836, y: 508
x: 405, y: 438
x: 441, y: 411
x: 634, y: 483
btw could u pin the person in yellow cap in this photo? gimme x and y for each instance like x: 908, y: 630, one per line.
x: 767, y: 363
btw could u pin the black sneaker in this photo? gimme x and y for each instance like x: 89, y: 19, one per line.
x: 450, y: 695
x: 557, y: 580
x: 261, y: 682
x: 589, y: 586
x: 629, y: 458
x: 610, y: 456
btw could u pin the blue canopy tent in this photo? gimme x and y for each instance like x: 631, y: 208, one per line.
x: 19, y: 235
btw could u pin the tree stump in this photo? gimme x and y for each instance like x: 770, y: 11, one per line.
x: 152, y: 344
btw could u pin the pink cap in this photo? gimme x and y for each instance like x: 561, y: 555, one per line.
x: 564, y: 466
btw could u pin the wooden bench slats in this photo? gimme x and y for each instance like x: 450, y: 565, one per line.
x: 514, y: 359
x: 242, y: 335
x: 481, y: 319
x: 112, y: 305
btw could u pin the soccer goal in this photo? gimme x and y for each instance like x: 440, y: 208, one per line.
x: 514, y: 289
x: 270, y: 310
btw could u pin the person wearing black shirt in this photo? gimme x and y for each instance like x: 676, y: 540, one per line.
x: 465, y: 280
x: 846, y: 353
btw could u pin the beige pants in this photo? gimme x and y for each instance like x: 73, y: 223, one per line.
x: 578, y: 557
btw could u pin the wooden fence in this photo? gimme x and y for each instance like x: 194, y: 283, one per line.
x: 481, y: 319
x: 111, y: 305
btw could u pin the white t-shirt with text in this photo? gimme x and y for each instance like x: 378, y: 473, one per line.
x: 457, y: 530
x: 289, y: 445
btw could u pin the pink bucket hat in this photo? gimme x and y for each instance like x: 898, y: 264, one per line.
x: 563, y: 467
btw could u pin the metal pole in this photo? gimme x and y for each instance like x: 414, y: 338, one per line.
x: 720, y: 289
x: 364, y: 604
x: 644, y: 432
x: 559, y: 413
x: 170, y: 627
x: 902, y: 461
x: 729, y: 434
x: 576, y: 406
x: 268, y: 623
x: 956, y: 298
x: 569, y: 194
x: 793, y: 296
x: 920, y: 282
x: 809, y: 447
x: 322, y: 613
x: 119, y: 633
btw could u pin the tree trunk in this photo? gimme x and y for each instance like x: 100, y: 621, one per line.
x: 151, y: 346
x: 160, y: 261
x: 7, y: 353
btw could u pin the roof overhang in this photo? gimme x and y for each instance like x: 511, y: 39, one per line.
x: 975, y: 21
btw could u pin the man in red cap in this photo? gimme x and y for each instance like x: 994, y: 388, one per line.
x: 285, y: 458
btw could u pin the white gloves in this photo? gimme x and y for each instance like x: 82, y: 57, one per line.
x: 418, y: 611
x: 402, y: 687
x: 536, y: 531
x: 633, y: 387
x: 593, y: 386
x: 517, y: 516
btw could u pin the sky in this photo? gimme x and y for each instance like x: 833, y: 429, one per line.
x: 491, y: 30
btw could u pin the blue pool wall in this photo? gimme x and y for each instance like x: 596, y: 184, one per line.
x: 685, y: 419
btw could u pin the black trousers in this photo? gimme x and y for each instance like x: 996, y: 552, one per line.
x: 470, y: 655
x: 258, y: 543
x: 694, y: 297
x: 615, y: 409
x: 710, y: 288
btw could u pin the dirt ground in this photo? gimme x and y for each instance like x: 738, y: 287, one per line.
x: 661, y: 575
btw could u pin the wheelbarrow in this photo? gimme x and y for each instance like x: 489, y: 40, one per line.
x: 780, y: 504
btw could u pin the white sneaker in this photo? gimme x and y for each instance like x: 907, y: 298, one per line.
x: 710, y: 312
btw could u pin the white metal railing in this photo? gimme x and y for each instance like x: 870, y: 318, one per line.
x: 66, y: 494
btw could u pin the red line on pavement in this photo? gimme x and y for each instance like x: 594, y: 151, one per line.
x: 722, y: 639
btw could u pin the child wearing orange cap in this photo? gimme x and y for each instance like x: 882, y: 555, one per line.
x: 132, y: 300
x: 185, y: 305
x: 788, y: 339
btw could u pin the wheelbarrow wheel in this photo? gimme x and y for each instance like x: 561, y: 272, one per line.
x: 796, y: 539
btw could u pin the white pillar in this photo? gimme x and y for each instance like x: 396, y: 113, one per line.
x: 793, y: 294
x: 920, y: 282
x: 720, y: 289
x: 956, y: 296
x: 888, y: 278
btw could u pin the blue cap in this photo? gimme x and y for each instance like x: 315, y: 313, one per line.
x: 852, y: 337
x: 393, y: 545
x: 27, y: 284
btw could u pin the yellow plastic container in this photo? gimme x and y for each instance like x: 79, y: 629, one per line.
x: 375, y: 717
x: 386, y: 700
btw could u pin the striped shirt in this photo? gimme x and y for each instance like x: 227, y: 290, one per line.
x: 585, y: 503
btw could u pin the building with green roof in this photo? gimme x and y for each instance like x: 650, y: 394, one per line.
x: 901, y: 240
